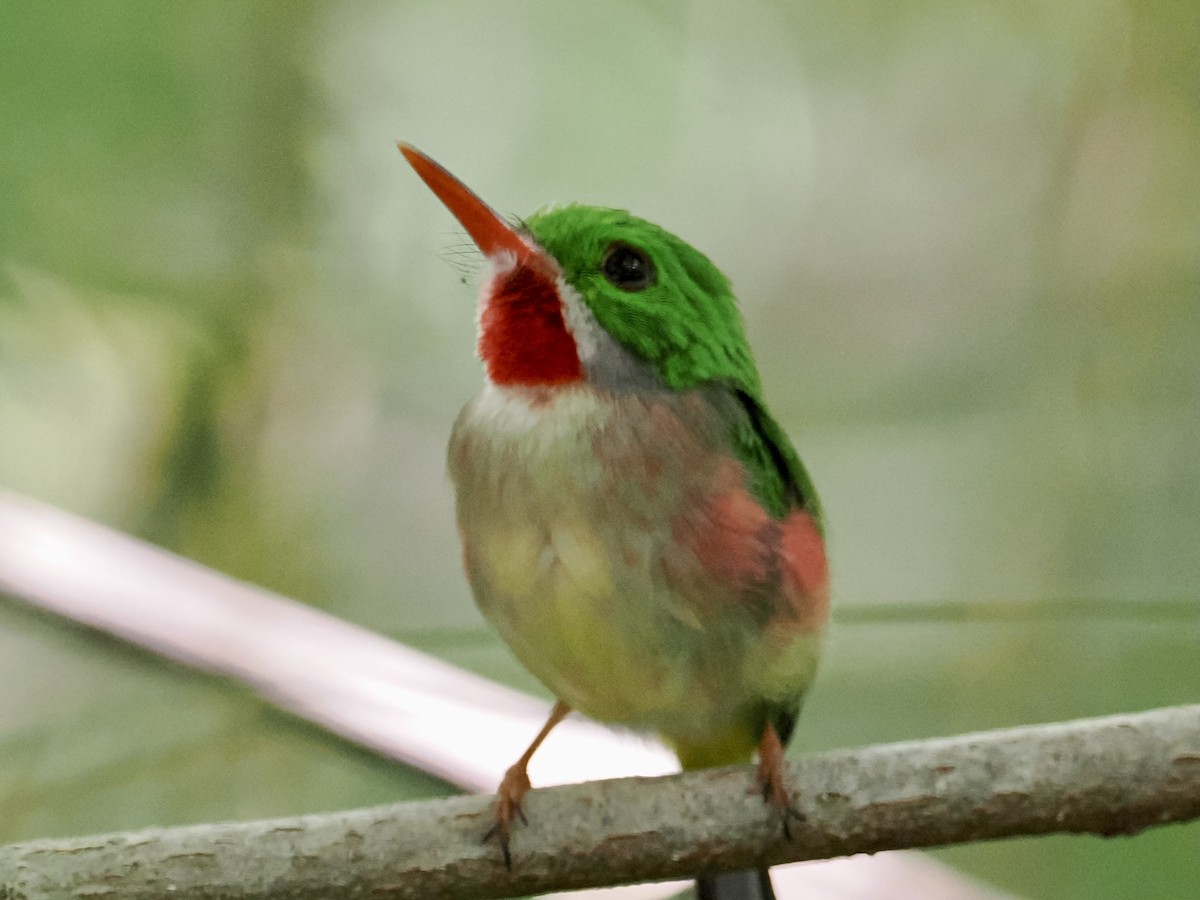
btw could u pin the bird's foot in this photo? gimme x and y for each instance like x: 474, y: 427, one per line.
x: 770, y: 781
x: 509, y: 797
x: 515, y: 785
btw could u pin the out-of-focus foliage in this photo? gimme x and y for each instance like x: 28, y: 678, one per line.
x: 964, y: 237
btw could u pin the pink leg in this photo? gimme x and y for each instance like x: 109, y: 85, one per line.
x: 770, y: 780
x: 515, y: 786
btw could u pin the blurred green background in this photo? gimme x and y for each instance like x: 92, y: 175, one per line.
x: 965, y: 241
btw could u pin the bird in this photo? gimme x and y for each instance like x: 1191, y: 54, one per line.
x: 634, y: 522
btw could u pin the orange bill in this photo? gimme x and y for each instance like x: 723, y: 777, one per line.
x: 490, y: 232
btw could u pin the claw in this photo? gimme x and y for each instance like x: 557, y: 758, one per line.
x: 770, y: 781
x: 515, y: 785
x: 791, y: 814
x: 510, y: 795
x: 495, y: 831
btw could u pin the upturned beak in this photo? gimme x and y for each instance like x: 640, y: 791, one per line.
x: 487, y: 229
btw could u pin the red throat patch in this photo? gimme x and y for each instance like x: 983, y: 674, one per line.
x: 523, y: 339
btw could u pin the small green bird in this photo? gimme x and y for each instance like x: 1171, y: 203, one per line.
x: 634, y: 522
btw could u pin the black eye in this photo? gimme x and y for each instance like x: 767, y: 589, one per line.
x: 627, y: 267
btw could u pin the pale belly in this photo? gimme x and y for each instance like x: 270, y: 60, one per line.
x: 570, y: 512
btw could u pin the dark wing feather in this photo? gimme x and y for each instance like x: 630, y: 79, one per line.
x: 778, y: 479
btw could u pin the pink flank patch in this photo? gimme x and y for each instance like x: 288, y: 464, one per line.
x: 730, y: 545
x: 739, y: 545
x: 802, y: 558
x: 725, y: 534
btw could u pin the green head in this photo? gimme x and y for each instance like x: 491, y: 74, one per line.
x: 658, y: 298
x: 586, y: 293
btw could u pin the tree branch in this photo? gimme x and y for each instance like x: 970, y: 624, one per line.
x: 1109, y: 776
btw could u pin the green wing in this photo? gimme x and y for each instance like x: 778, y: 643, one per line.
x: 779, y: 479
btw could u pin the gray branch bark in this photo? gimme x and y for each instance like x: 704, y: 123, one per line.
x: 1109, y: 776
